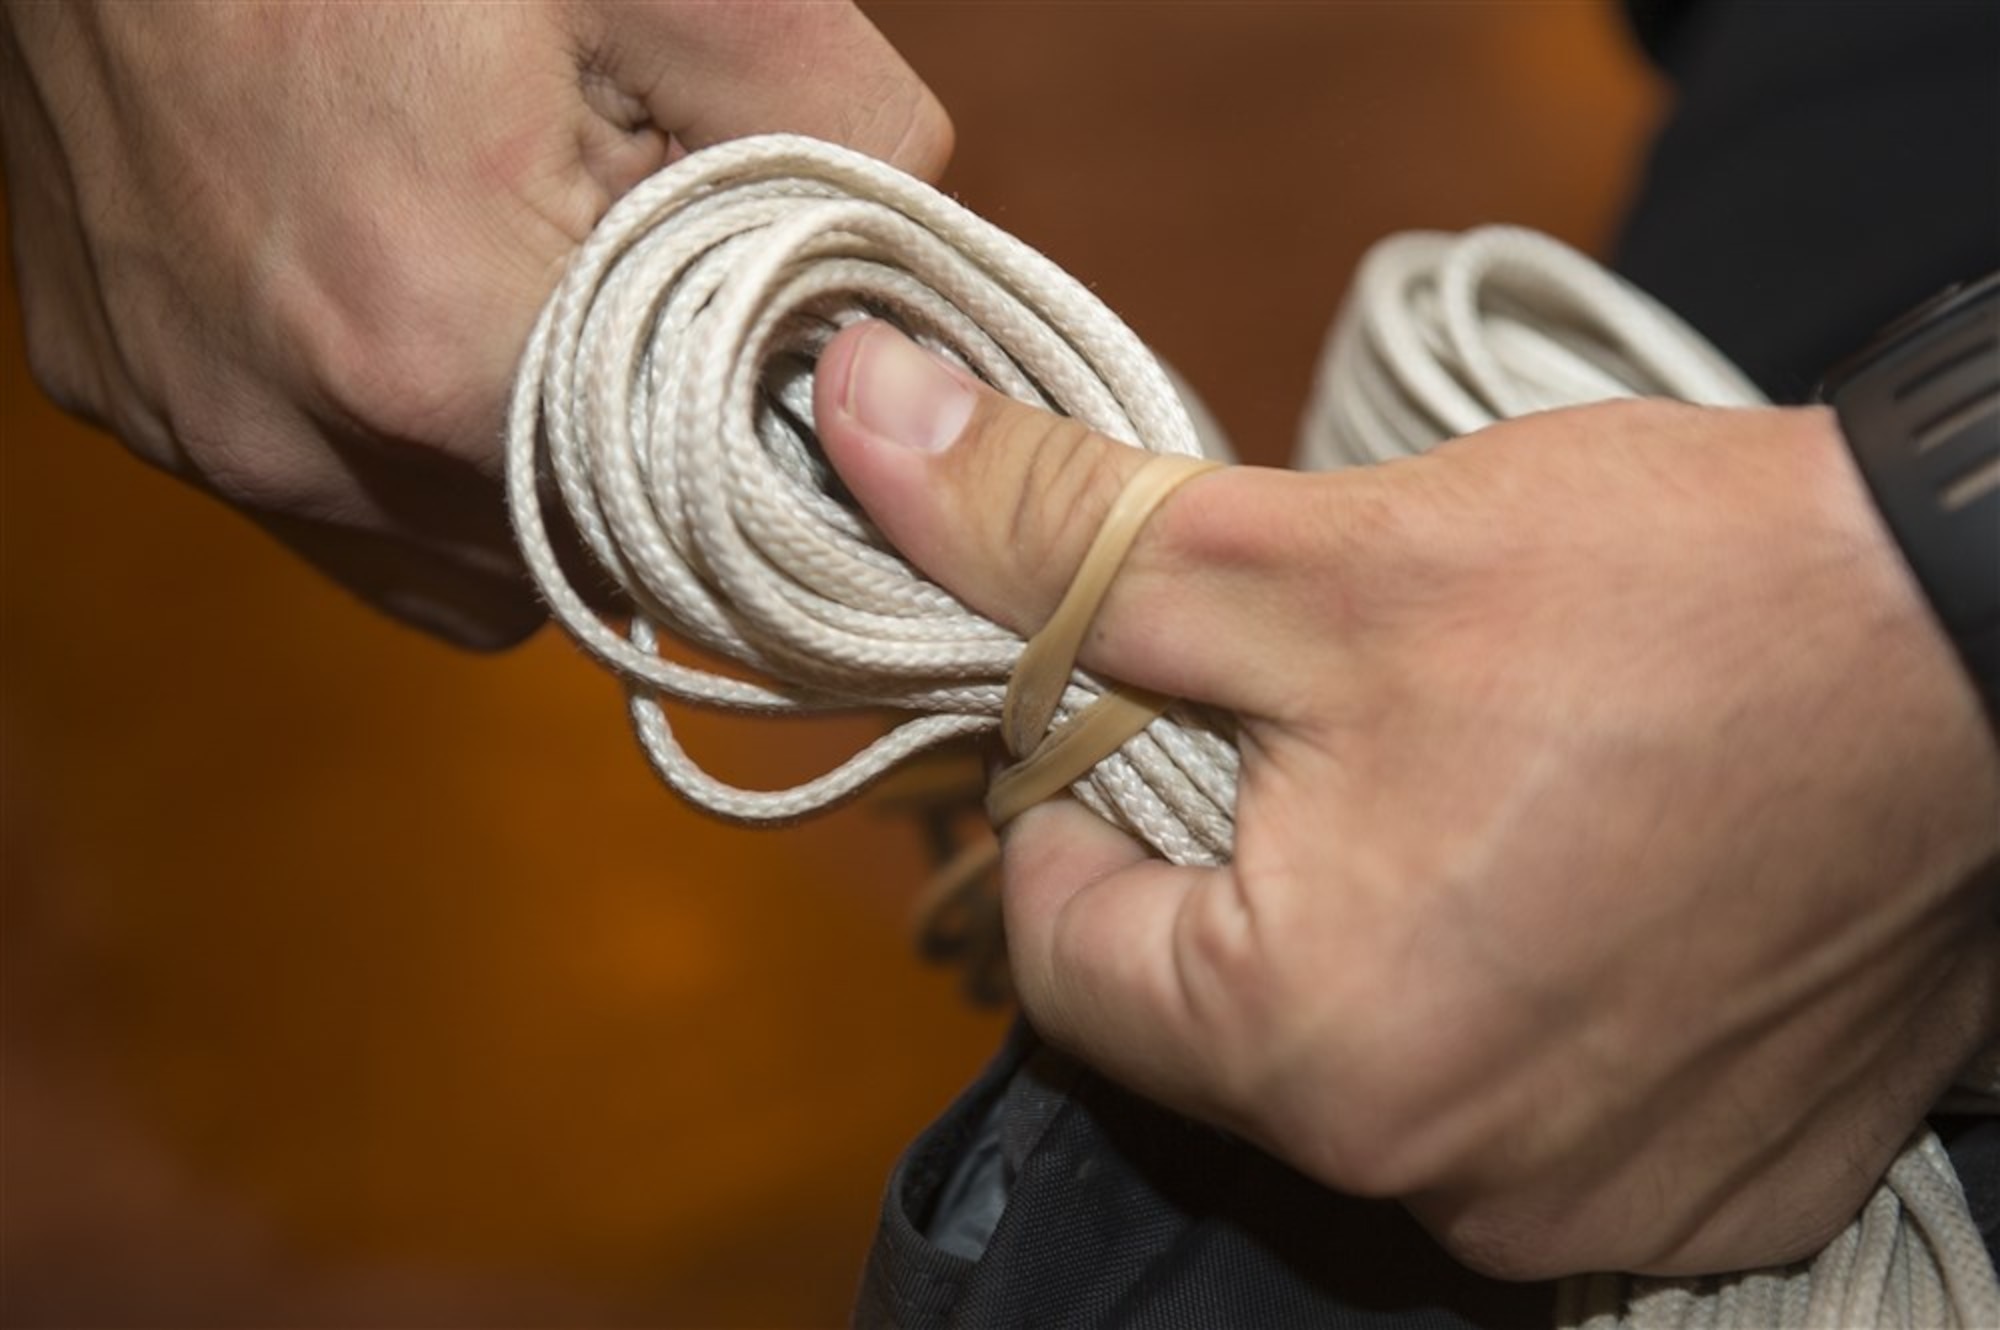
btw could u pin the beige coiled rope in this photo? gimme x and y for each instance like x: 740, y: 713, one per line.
x: 666, y: 398
x: 667, y: 389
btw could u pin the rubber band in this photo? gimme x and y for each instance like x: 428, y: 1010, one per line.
x: 1049, y: 762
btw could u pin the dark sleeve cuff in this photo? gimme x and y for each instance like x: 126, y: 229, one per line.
x: 1825, y: 167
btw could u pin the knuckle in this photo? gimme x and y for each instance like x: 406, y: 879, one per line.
x: 387, y: 349
x: 928, y: 139
x: 1404, y: 555
x: 903, y: 122
x: 1224, y: 971
x: 391, y: 387
x: 1062, y: 483
x: 907, y: 126
x: 1374, y: 1147
x: 84, y: 381
x: 1508, y: 1242
x: 56, y: 374
x: 246, y: 475
x: 1327, y: 1092
x: 54, y: 364
x: 256, y: 455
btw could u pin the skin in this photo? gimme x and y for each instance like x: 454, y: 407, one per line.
x: 1607, y: 869
x: 291, y: 253
x: 1607, y: 880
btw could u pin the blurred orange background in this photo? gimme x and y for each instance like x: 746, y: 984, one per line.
x: 351, y: 981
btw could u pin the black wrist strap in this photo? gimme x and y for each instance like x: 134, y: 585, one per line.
x: 1921, y: 411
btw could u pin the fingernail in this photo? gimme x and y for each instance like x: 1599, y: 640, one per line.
x: 899, y: 392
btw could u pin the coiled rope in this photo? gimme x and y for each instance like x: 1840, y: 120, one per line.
x: 667, y: 388
x: 665, y: 397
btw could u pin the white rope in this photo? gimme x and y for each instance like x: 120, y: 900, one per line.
x: 1442, y: 335
x: 665, y: 397
x: 667, y: 389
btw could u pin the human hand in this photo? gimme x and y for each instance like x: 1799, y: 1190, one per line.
x: 292, y: 254
x: 1605, y: 879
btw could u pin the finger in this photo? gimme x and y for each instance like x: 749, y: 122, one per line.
x: 1219, y: 596
x: 1134, y: 965
x: 706, y: 73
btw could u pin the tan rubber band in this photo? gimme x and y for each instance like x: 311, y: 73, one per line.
x: 1086, y: 739
x: 1050, y: 763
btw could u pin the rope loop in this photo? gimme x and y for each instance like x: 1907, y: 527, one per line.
x: 665, y: 402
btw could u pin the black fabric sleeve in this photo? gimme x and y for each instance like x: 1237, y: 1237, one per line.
x: 1825, y: 167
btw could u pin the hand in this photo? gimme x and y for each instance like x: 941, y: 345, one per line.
x: 292, y: 253
x: 1604, y: 881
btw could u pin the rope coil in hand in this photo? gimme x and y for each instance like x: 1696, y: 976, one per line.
x: 667, y: 393
x: 665, y: 397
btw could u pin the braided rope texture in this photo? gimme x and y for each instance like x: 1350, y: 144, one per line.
x: 665, y: 402
x: 667, y: 395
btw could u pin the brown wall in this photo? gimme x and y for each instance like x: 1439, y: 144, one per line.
x: 350, y: 981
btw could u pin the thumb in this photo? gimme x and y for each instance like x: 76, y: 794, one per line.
x: 998, y: 502
x: 1140, y: 967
